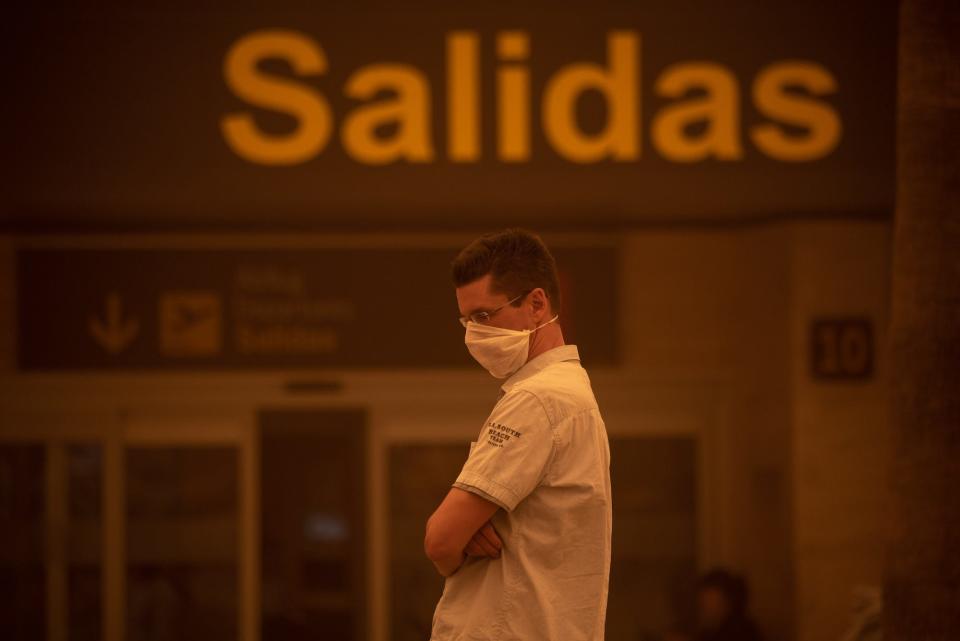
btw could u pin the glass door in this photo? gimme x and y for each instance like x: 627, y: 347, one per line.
x: 129, y: 528
x: 51, y: 530
x: 23, y: 522
x: 189, y: 529
x: 313, y: 523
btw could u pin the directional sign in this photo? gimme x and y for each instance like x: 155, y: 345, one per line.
x: 278, y: 308
x: 115, y: 332
x: 190, y: 323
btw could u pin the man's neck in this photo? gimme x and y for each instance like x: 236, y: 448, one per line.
x: 544, y: 339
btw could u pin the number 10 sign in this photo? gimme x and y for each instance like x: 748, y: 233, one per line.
x: 841, y: 348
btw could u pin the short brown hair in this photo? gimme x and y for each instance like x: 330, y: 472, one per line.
x: 517, y: 260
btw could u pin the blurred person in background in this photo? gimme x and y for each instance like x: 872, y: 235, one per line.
x: 721, y: 611
x: 722, y: 608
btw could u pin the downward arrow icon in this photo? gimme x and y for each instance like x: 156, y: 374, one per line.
x: 115, y: 334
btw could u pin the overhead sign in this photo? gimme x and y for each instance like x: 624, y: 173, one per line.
x: 407, y: 113
x: 592, y: 113
x: 191, y: 309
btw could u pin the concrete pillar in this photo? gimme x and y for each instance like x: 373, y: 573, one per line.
x: 922, y: 562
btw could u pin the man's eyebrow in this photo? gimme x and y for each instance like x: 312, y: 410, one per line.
x: 475, y: 310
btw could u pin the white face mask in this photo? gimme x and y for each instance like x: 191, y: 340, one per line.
x: 501, y: 351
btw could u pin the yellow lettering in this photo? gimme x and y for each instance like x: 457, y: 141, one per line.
x: 303, y: 103
x: 772, y: 100
x: 410, y: 110
x: 620, y: 138
x: 513, y: 97
x: 463, y: 96
x: 719, y: 108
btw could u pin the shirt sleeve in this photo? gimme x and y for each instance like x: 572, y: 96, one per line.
x: 513, y: 452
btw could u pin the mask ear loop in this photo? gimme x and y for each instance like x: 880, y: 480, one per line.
x: 555, y: 317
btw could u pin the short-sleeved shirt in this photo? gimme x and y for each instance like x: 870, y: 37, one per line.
x: 543, y: 456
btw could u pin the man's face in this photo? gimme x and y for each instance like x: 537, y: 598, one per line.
x: 476, y: 297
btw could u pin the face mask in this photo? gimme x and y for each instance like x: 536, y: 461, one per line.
x: 499, y: 350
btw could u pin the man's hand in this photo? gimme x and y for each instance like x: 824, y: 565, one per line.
x: 485, y: 542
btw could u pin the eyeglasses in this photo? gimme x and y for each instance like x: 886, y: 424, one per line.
x: 484, y: 316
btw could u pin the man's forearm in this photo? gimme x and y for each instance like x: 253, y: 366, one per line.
x: 444, y: 557
x: 447, y: 564
x: 450, y: 528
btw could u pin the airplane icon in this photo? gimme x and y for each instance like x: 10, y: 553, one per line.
x: 190, y: 323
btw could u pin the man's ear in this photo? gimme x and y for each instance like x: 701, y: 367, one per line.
x: 538, y: 300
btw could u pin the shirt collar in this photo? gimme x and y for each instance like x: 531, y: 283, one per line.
x: 540, y: 361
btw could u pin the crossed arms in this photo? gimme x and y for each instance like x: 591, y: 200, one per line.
x: 459, y: 527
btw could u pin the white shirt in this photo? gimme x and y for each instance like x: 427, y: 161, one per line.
x: 543, y: 456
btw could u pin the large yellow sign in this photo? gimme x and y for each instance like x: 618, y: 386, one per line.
x: 702, y: 121
x: 600, y: 113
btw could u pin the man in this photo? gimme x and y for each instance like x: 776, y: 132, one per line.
x: 523, y: 535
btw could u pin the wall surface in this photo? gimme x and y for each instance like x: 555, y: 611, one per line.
x: 840, y: 437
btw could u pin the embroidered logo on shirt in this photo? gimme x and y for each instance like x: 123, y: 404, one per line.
x: 498, y: 434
